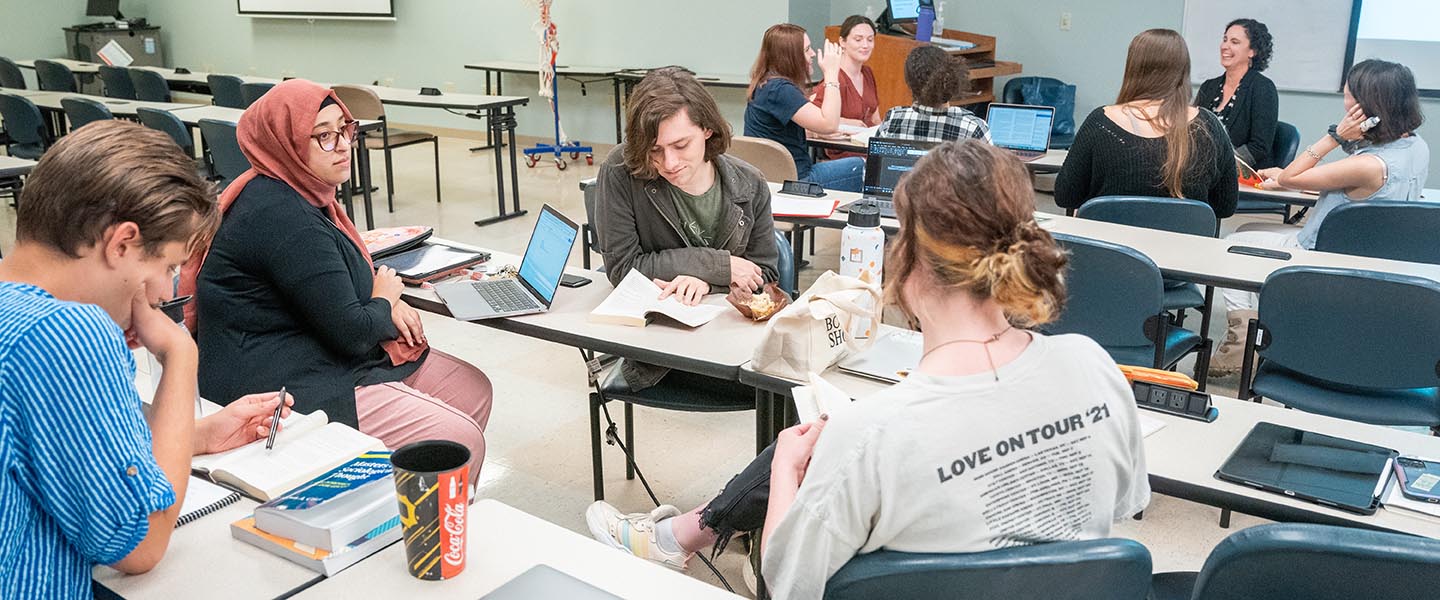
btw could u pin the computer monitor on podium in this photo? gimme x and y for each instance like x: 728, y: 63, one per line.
x: 903, y: 11
x: 103, y: 8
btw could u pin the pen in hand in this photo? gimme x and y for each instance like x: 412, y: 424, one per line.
x: 275, y: 420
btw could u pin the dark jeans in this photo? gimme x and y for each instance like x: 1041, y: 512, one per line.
x: 741, y: 505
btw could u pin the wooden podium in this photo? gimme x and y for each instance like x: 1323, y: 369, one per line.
x: 888, y: 62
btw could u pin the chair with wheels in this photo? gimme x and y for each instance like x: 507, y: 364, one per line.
x: 365, y: 104
x: 225, y: 91
x: 117, y: 83
x: 1314, y: 562
x: 150, y: 86
x: 1117, y: 298
x: 1393, y: 229
x: 1107, y: 569
x: 54, y: 77
x: 1347, y: 343
x: 83, y: 111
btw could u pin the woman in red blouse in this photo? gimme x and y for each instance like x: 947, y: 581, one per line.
x: 859, y: 104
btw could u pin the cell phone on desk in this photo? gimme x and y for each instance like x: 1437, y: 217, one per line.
x: 573, y: 281
x: 1261, y: 252
x: 1418, y: 479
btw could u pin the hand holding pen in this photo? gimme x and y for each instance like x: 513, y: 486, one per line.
x: 275, y: 420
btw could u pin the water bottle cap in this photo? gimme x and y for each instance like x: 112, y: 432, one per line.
x: 864, y: 214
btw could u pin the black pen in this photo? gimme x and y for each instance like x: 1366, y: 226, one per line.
x: 275, y: 420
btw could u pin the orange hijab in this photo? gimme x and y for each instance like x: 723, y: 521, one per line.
x: 274, y: 134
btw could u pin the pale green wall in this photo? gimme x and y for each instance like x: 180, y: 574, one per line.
x: 1092, y: 54
x: 31, y: 28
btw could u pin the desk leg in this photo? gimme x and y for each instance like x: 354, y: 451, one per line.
x: 490, y: 140
x: 762, y: 419
x: 797, y: 247
x: 618, y: 108
x: 363, y: 163
x: 502, y: 125
x: 346, y: 192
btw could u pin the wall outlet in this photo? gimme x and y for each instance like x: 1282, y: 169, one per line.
x: 1064, y: 21
x: 449, y: 87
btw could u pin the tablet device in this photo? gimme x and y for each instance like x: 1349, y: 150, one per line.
x: 543, y: 581
x: 1317, y: 468
x: 430, y: 262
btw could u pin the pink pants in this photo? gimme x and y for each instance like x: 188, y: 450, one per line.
x: 445, y: 399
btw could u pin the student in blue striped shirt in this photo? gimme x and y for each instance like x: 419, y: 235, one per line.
x: 106, y: 218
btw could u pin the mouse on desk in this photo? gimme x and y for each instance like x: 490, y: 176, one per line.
x: 429, y: 91
x: 182, y: 71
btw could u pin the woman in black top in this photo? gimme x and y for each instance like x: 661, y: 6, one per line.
x: 1131, y: 148
x: 1245, y: 100
x: 287, y: 296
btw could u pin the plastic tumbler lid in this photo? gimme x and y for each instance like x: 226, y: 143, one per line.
x: 864, y: 214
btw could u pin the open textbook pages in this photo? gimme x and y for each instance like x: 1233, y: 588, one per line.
x: 636, y: 299
x: 306, y: 447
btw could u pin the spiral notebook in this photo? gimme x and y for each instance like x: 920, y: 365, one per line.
x: 203, y: 498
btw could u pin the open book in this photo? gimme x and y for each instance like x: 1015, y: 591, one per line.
x: 817, y: 399
x: 859, y: 135
x: 306, y: 447
x: 635, y: 300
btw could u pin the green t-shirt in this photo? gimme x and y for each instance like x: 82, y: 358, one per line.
x: 700, y: 216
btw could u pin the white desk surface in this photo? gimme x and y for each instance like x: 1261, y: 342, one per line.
x: 201, y: 76
x: 717, y: 348
x: 457, y: 100
x: 204, y: 560
x: 191, y: 114
x: 503, y: 542
x: 516, y: 66
x: 1052, y: 161
x: 51, y: 100
x: 76, y: 66
x: 1183, y: 456
x: 11, y: 166
x: 708, y: 79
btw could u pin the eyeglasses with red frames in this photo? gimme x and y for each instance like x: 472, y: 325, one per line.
x: 329, y: 140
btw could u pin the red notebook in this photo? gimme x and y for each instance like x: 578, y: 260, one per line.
x: 389, y: 241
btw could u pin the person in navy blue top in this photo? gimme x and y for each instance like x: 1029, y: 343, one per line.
x: 779, y: 109
x: 106, y: 218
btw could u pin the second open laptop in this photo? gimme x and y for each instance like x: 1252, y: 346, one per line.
x: 533, y: 288
x: 886, y: 161
x: 1021, y: 129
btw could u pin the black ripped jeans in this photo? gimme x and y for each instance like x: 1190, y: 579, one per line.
x: 741, y: 505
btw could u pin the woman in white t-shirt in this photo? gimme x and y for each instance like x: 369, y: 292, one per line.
x: 1001, y: 437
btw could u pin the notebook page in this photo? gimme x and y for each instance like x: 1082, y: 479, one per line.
x: 201, y: 494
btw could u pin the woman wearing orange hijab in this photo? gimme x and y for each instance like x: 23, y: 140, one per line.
x: 287, y: 295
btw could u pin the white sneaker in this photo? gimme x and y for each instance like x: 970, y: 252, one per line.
x: 634, y: 533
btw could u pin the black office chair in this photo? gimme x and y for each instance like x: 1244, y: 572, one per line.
x: 1109, y: 569
x: 250, y: 92
x: 1014, y: 93
x: 25, y: 125
x: 150, y: 86
x: 54, y: 77
x: 10, y: 75
x: 1314, y: 562
x: 1287, y: 143
x: 225, y: 91
x: 226, y: 159
x: 117, y: 82
x: 1397, y: 230
x: 83, y: 111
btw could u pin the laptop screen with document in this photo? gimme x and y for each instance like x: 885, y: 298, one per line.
x: 547, y: 252
x: 887, y: 160
x: 1018, y: 127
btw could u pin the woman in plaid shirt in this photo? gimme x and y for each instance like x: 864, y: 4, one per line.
x: 934, y: 78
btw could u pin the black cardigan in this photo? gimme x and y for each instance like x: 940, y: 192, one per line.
x: 1107, y: 160
x: 284, y: 299
x: 1251, y: 116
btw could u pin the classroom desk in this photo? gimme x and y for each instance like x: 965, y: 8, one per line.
x: 582, y: 74
x: 11, y: 166
x: 1183, y: 456
x: 205, y: 561
x: 198, y: 82
x: 119, y: 108
x: 503, y: 542
x: 1299, y: 198
x: 77, y: 67
x: 1051, y: 162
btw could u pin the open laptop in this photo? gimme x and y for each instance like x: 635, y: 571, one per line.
x: 1021, y: 129
x: 886, y: 161
x: 532, y: 290
x: 544, y: 581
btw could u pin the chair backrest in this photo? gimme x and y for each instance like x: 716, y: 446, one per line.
x: 54, y: 77
x: 1352, y: 327
x: 1319, y: 562
x: 363, y: 103
x: 150, y: 86
x: 83, y: 111
x: 10, y: 75
x: 1287, y: 143
x: 1153, y: 212
x: 225, y: 90
x: 1014, y: 90
x: 250, y: 92
x: 1115, y: 293
x: 166, y: 121
x: 1109, y: 569
x: 773, y: 160
x: 786, y: 266
x: 117, y: 82
x: 1393, y: 229
x: 22, y: 120
x: 225, y: 154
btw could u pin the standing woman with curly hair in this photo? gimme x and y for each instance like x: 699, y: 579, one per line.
x: 1245, y: 100
x: 983, y: 446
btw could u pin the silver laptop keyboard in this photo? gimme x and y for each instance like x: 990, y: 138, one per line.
x: 505, y: 296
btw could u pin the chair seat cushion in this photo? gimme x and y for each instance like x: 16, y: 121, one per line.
x: 1177, y: 343
x: 1418, y: 406
x: 682, y: 391
x: 398, y: 137
x: 1260, y: 206
x: 1172, y: 586
x: 1180, y: 294
x: 29, y: 151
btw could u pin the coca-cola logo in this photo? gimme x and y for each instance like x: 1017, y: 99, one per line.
x: 454, y: 524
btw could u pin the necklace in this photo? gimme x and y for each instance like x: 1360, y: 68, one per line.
x: 985, y: 343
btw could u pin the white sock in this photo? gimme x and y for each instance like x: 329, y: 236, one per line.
x: 665, y: 537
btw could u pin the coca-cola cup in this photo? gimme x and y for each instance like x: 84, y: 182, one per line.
x: 432, y: 482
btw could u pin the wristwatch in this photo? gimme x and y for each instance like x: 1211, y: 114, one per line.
x: 1347, y: 145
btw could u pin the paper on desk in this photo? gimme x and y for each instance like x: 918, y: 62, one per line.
x: 782, y: 205
x: 859, y: 135
x: 114, y: 55
x: 817, y: 399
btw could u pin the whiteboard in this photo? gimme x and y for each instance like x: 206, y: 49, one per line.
x: 317, y: 9
x: 1310, y: 37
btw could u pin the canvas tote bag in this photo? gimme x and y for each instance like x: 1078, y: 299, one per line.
x: 814, y: 332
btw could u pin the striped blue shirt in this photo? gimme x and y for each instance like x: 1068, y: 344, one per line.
x: 78, y: 478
